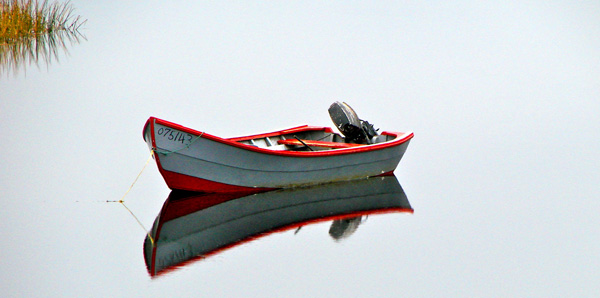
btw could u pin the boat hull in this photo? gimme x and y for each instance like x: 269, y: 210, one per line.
x: 196, y: 161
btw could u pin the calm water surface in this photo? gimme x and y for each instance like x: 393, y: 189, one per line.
x: 502, y: 174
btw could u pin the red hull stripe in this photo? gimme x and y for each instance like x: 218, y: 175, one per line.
x: 282, y: 132
x: 318, y: 143
x: 390, y: 173
x: 178, y: 207
x: 185, y: 182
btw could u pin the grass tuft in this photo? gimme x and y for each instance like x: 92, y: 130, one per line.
x: 31, y: 30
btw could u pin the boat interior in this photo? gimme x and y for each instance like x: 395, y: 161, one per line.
x: 308, y: 140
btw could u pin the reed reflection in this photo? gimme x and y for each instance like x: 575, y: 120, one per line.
x: 35, y: 31
x: 193, y: 226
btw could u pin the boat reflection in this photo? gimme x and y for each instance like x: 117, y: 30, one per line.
x: 192, y: 225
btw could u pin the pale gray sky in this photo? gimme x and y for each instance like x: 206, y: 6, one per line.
x: 502, y: 172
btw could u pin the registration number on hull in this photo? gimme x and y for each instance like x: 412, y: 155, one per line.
x: 174, y: 135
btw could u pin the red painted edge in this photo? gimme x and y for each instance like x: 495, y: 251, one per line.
x: 185, y: 182
x: 401, y: 137
x: 390, y: 173
x: 281, y: 132
x: 267, y: 233
x: 318, y: 143
x: 178, y: 207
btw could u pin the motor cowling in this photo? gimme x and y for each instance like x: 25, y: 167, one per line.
x: 347, y: 121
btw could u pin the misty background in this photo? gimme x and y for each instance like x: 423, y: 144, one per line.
x: 502, y: 172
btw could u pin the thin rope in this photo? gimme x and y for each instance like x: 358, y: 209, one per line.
x: 122, y: 201
x: 139, y: 222
x: 138, y: 176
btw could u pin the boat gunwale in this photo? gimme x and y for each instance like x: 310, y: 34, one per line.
x: 400, y: 138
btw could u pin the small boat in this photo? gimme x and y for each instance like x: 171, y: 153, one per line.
x: 194, y: 160
x: 192, y: 226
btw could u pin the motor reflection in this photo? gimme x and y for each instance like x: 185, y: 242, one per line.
x: 193, y: 226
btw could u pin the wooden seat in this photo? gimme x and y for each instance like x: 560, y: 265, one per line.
x: 333, y: 145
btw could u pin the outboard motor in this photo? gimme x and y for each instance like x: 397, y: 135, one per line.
x: 353, y: 129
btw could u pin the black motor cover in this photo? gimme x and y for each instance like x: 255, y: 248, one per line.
x: 347, y: 121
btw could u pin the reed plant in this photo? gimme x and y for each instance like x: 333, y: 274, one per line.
x: 32, y: 30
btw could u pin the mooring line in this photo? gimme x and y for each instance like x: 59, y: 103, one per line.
x: 140, y: 223
x: 122, y: 201
x: 138, y: 176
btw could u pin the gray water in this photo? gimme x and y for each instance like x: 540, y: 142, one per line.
x: 502, y: 173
